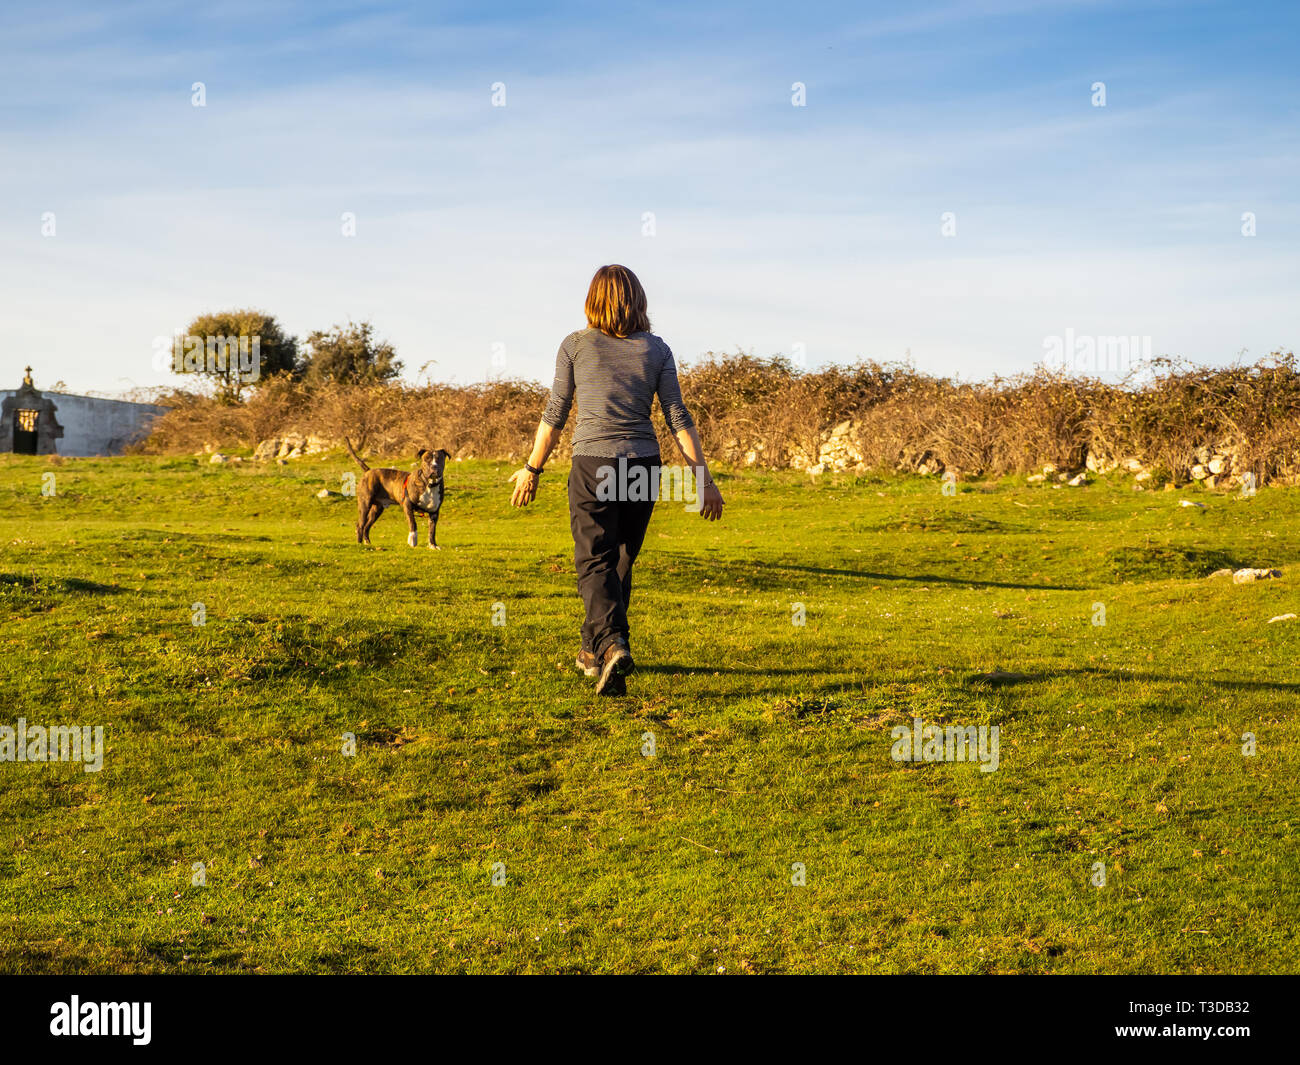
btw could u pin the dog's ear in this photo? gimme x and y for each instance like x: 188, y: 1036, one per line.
x: 444, y: 452
x: 419, y: 455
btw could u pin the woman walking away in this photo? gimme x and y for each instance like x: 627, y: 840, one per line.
x: 617, y: 367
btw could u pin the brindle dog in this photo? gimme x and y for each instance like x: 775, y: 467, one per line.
x: 417, y: 492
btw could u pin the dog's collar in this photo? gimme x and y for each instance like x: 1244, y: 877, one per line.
x: 406, y: 483
x: 435, y: 482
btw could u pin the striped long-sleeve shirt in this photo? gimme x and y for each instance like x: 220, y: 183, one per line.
x: 616, y: 380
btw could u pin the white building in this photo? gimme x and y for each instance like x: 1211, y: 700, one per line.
x: 44, y: 423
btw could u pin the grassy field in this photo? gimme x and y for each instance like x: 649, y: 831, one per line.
x: 479, y: 747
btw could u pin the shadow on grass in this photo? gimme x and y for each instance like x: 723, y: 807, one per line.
x: 762, y: 574
x: 998, y: 679
x: 994, y: 679
x: 40, y: 594
x: 66, y: 584
x: 76, y: 584
x: 67, y: 960
x: 678, y: 667
x: 929, y: 578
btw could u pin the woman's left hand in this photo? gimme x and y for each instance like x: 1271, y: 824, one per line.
x: 525, y: 488
x: 710, y: 502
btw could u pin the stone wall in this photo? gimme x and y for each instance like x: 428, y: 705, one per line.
x: 95, y: 426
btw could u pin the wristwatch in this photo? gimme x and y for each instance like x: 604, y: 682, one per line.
x: 535, y: 472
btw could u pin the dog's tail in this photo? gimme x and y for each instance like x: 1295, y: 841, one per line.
x: 352, y: 451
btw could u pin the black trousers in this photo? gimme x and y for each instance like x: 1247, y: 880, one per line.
x: 609, y: 512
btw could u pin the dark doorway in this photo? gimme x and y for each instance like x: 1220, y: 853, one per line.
x: 25, y: 432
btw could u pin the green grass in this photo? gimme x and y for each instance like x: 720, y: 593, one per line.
x: 480, y: 744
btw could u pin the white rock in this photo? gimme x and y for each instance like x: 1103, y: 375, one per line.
x: 1145, y: 475
x: 1190, y: 503
x: 1220, y: 573
x: 1199, y: 472
x: 1049, y: 468
x: 1282, y: 617
x: 1077, y: 480
x: 1132, y: 465
x: 1218, y: 464
x: 217, y: 458
x: 1036, y: 478
x: 1245, y: 576
x: 324, y: 493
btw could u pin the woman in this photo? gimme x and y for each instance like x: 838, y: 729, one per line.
x: 617, y: 366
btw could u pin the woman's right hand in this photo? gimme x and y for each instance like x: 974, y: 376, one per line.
x: 710, y: 502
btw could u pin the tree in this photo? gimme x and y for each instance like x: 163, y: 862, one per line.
x: 350, y: 354
x: 236, y: 349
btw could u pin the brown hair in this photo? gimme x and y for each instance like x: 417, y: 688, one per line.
x: 616, y: 303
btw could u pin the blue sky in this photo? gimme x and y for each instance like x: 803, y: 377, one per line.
x: 774, y: 225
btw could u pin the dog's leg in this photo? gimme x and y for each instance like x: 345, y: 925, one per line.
x: 413, y: 537
x: 372, y: 516
x: 433, y: 529
x: 368, y: 507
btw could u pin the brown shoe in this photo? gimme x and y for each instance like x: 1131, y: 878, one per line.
x: 588, y: 664
x: 615, y: 665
